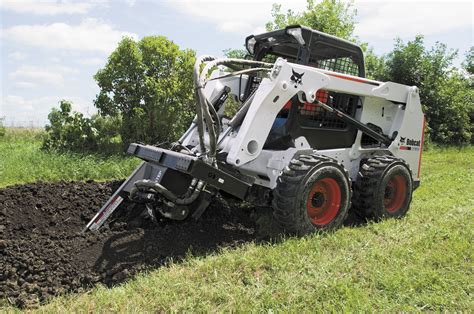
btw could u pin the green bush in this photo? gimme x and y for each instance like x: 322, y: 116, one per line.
x: 2, y: 128
x: 445, y: 93
x: 71, y: 131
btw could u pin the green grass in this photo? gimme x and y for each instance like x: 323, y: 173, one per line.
x: 421, y: 262
x: 22, y: 161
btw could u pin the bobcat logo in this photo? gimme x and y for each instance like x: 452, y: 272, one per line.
x: 297, y: 78
x: 402, y: 140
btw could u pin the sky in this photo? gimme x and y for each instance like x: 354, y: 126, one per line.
x: 50, y: 50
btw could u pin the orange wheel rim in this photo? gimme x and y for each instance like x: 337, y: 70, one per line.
x: 324, y: 201
x: 395, y: 193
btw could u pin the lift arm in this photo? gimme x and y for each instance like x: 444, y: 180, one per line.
x: 359, y: 125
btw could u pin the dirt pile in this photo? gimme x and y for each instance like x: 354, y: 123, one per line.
x: 43, y: 252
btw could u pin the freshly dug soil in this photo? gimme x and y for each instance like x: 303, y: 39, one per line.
x: 43, y: 252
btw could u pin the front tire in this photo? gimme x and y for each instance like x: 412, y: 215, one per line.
x: 312, y: 194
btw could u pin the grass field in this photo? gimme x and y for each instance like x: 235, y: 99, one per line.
x: 22, y: 160
x: 421, y: 262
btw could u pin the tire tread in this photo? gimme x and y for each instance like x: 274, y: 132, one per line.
x: 285, y: 195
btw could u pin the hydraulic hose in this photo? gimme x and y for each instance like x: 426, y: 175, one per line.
x: 199, y: 103
x: 204, y: 108
x: 231, y: 61
x: 240, y: 72
x: 240, y: 115
x: 190, y: 196
x: 194, y: 195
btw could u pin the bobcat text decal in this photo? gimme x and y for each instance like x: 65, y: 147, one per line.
x: 409, y: 144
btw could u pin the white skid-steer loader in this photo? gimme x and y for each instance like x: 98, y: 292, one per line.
x: 311, y: 137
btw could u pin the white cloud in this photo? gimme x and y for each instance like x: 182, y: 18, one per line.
x: 25, y: 85
x: 130, y: 3
x: 31, y: 76
x: 387, y: 20
x: 17, y: 56
x: 89, y: 35
x: 46, y: 7
x: 92, y: 61
x: 377, y: 19
x: 243, y: 17
x: 55, y: 59
x: 17, y: 102
x: 21, y: 111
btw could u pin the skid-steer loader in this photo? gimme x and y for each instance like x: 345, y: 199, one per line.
x: 311, y: 137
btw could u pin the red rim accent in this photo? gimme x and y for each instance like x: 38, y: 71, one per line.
x: 324, y: 201
x: 395, y: 193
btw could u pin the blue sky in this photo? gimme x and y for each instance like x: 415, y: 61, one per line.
x: 51, y: 49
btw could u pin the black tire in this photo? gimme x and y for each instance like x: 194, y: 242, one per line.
x: 383, y: 188
x: 312, y: 194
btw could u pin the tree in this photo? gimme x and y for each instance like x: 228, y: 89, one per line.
x: 469, y: 62
x: 413, y: 64
x: 375, y: 66
x: 452, y: 122
x: 236, y: 53
x: 444, y: 93
x: 334, y: 17
x: 281, y: 20
x: 150, y: 83
x: 468, y: 65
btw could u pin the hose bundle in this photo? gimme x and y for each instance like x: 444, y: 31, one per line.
x: 204, y: 109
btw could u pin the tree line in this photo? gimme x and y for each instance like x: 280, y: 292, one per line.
x: 146, y: 87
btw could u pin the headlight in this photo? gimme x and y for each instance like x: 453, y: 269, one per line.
x: 297, y: 34
x: 250, y: 44
x: 277, y: 68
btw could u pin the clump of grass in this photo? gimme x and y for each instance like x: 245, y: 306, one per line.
x: 22, y: 160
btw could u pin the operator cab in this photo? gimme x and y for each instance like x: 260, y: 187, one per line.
x: 302, y: 45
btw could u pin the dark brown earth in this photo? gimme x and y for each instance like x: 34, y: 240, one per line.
x: 44, y: 254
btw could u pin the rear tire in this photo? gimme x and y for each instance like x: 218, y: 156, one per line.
x: 312, y: 194
x: 383, y: 188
